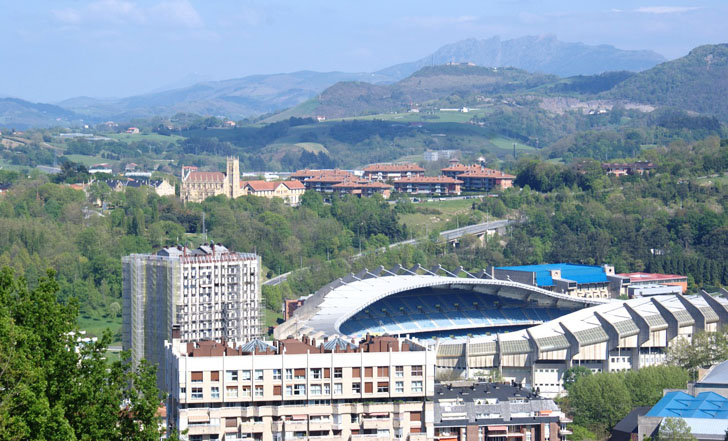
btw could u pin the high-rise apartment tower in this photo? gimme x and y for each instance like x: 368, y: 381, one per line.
x: 210, y: 292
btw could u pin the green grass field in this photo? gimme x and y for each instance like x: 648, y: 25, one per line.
x: 90, y: 160
x: 507, y: 144
x: 423, y: 223
x: 95, y: 326
x: 155, y: 137
x: 436, y: 117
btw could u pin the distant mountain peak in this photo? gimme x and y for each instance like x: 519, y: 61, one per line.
x: 534, y: 53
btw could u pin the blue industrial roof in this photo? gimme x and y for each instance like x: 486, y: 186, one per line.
x: 680, y: 404
x: 577, y: 273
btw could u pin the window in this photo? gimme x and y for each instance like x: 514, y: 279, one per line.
x: 338, y: 373
x: 299, y: 374
x: 338, y: 389
x: 196, y: 377
x: 417, y: 371
x: 215, y: 376
x: 399, y: 371
x: 231, y: 375
x: 368, y: 372
x: 289, y: 391
x: 277, y: 390
x: 259, y: 375
x: 356, y: 372
x: 196, y: 393
x: 215, y: 392
x: 383, y: 371
x: 316, y: 373
x: 356, y: 388
x: 289, y: 374
x: 354, y: 418
x: 299, y: 389
x: 276, y: 374
x: 195, y: 437
x: 315, y: 389
x: 182, y: 390
x: 327, y: 389
x: 246, y: 391
x: 258, y: 391
x: 246, y: 375
x: 368, y: 387
x: 383, y: 386
x: 399, y: 387
x: 417, y: 386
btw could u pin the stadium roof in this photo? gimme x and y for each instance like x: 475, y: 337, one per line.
x: 332, y: 305
x: 595, y: 324
x: 717, y: 374
x: 577, y: 273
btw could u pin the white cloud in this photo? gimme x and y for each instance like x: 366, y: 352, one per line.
x: 666, y: 9
x: 174, y: 13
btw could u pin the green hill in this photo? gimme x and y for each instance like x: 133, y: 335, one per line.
x: 696, y: 82
x: 454, y: 85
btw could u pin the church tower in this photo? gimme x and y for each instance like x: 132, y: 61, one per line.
x: 233, y: 189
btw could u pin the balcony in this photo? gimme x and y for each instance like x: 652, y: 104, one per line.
x: 376, y: 423
x: 296, y: 426
x: 319, y: 425
x: 369, y: 437
x: 417, y: 436
x: 565, y: 432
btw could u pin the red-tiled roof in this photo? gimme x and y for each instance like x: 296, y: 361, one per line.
x: 427, y: 180
x: 485, y: 173
x: 649, y: 277
x: 362, y: 184
x: 294, y: 185
x: 459, y: 167
x: 307, y: 173
x: 406, y: 167
x: 260, y: 185
x: 201, y: 176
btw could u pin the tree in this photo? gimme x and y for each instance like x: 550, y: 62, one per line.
x: 54, y: 387
x: 599, y: 400
x: 705, y: 350
x: 573, y: 374
x: 675, y: 429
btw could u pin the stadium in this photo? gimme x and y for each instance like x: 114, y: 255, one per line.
x: 480, y: 325
x: 426, y: 304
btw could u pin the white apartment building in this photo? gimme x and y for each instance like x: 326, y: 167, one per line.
x: 209, y: 292
x: 379, y: 389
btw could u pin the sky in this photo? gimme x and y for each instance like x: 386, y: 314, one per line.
x: 53, y: 50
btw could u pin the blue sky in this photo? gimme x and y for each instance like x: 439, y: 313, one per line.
x: 52, y: 50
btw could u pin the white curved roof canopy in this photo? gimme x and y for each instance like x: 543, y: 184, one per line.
x: 331, y: 306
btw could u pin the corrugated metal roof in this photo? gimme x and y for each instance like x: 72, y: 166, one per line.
x: 552, y: 343
x: 578, y: 273
x: 487, y: 348
x: 679, y: 404
x: 515, y: 346
x: 626, y: 328
x: 591, y: 336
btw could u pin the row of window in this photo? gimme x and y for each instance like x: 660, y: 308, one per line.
x: 197, y: 393
x: 300, y: 373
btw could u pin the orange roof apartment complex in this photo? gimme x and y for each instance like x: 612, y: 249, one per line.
x: 386, y: 172
x: 435, y: 185
x: 478, y: 178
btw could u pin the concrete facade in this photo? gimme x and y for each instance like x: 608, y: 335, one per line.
x: 210, y: 293
x: 378, y: 389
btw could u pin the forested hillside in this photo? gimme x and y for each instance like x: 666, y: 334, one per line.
x: 688, y: 83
